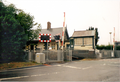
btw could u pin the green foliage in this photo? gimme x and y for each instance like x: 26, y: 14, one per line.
x: 26, y: 21
x: 15, y: 30
x: 12, y: 35
x: 117, y: 47
x: 107, y: 47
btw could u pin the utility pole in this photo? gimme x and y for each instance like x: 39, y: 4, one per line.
x: 112, y: 53
x: 110, y: 40
x: 114, y: 40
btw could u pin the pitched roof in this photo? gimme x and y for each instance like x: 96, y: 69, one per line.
x: 83, y: 33
x: 52, y: 31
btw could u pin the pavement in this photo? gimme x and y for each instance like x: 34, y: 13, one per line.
x: 93, y: 70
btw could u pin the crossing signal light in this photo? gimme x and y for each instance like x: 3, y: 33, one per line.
x: 57, y: 37
x: 45, y: 45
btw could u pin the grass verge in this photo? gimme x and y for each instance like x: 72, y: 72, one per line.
x: 90, y: 59
x: 11, y: 65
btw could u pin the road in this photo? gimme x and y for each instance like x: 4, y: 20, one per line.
x: 95, y: 70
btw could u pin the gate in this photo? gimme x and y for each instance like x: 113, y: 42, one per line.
x: 57, y: 55
x: 51, y: 55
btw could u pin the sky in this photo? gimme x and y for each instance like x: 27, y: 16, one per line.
x: 79, y: 15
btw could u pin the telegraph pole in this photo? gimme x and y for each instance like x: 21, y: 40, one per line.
x: 110, y: 40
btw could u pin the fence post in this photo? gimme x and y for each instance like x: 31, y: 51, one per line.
x: 58, y: 55
x: 62, y: 55
x: 70, y: 55
x: 29, y: 55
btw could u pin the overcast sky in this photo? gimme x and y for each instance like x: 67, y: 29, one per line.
x: 80, y: 15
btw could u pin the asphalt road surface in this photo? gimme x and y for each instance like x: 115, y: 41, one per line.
x: 95, y: 70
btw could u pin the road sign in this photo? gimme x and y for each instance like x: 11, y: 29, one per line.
x: 44, y: 37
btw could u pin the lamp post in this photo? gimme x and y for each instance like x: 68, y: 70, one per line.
x: 110, y: 40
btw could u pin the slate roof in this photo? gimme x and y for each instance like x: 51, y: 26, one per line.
x: 53, y: 32
x: 83, y: 33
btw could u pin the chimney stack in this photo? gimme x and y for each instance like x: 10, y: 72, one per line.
x: 48, y: 25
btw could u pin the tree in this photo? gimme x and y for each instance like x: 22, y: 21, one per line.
x: 15, y: 30
x: 26, y: 21
x: 105, y: 47
x: 96, y: 34
x: 12, y: 35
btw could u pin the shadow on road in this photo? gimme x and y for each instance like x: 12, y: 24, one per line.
x: 77, y: 58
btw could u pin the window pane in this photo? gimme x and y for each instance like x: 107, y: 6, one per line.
x: 87, y: 41
x: 78, y: 41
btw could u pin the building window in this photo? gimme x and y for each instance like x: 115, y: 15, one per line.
x: 83, y: 41
x: 53, y: 46
x: 87, y: 41
x: 71, y: 41
x: 78, y: 41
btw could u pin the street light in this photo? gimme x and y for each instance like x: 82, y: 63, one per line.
x: 110, y: 40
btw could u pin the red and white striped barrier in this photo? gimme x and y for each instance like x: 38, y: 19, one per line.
x: 63, y: 31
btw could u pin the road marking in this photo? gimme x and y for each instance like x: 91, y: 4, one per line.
x: 113, y: 65
x: 55, y: 72
x: 34, y: 75
x: 74, y: 67
x: 86, y: 67
x: 57, y: 65
x: 104, y: 64
x: 9, y: 78
x: 28, y: 76
x: 21, y: 69
x: 24, y: 76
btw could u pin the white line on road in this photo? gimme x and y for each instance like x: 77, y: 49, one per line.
x: 24, y: 76
x: 86, y: 67
x: 28, y: 76
x: 21, y: 69
x: 104, y: 64
x: 34, y: 75
x: 57, y: 65
x: 74, y: 67
x: 10, y: 78
x: 113, y: 65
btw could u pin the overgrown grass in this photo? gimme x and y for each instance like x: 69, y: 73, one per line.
x: 90, y: 59
x: 4, y: 66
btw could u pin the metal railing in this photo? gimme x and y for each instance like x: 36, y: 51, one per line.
x: 108, y: 53
x: 50, y: 55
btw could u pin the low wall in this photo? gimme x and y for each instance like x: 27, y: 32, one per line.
x: 83, y: 54
x: 108, y: 54
x: 117, y: 53
x: 68, y: 55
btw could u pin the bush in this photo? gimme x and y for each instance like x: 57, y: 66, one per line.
x: 107, y: 47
